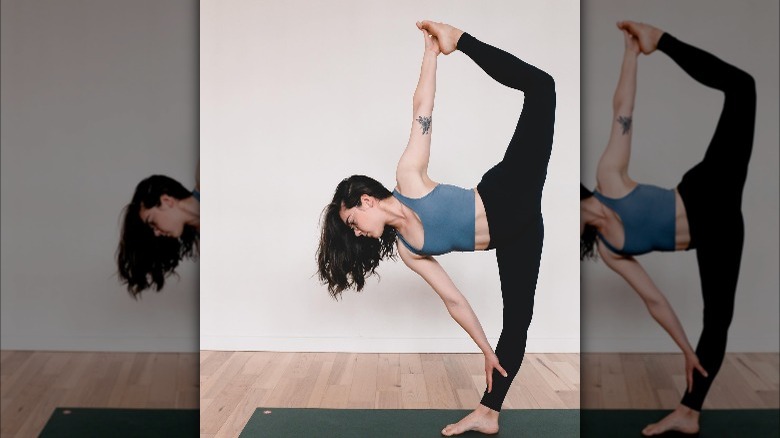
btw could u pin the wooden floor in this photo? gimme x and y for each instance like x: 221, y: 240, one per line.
x: 33, y: 383
x: 657, y: 381
x: 233, y: 384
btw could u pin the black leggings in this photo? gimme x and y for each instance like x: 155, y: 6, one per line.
x: 512, y: 192
x: 712, y: 194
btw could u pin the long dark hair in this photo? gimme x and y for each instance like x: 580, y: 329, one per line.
x: 343, y: 259
x: 145, y: 260
x: 588, y: 237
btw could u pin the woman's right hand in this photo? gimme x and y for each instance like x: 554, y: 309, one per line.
x: 631, y: 42
x: 691, y: 364
x: 491, y: 362
x: 431, y: 42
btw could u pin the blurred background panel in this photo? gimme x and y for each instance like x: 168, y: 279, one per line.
x: 96, y: 95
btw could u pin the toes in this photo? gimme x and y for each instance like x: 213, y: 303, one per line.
x: 454, y: 429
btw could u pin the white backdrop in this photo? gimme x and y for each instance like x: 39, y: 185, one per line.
x: 96, y: 95
x: 674, y: 119
x: 296, y: 96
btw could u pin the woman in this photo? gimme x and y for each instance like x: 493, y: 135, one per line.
x: 623, y: 218
x: 362, y: 222
x: 160, y: 228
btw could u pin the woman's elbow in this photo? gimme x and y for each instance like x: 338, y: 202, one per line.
x: 622, y: 106
x: 422, y: 106
x: 656, y: 306
x: 453, y: 305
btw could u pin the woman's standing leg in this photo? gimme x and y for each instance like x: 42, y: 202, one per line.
x: 518, y: 268
x: 719, y: 260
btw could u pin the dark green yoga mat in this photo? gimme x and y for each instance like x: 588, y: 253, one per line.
x: 714, y: 423
x: 403, y: 423
x: 119, y: 423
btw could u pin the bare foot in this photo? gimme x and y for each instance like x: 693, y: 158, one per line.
x: 483, y: 419
x: 682, y: 419
x: 647, y: 35
x: 447, y: 35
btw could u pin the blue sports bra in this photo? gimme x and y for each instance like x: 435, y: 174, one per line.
x: 648, y: 216
x: 196, y: 194
x: 447, y: 216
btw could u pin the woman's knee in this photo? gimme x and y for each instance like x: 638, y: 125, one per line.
x: 545, y: 85
x: 744, y: 84
x: 717, y: 322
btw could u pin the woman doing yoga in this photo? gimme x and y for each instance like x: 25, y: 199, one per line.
x: 160, y: 228
x: 362, y: 222
x: 703, y: 212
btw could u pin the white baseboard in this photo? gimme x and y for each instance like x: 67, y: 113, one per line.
x: 666, y: 345
x: 101, y: 343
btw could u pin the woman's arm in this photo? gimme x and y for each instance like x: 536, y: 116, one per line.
x: 414, y: 161
x: 458, y: 307
x: 656, y: 303
x: 660, y: 309
x: 612, y: 171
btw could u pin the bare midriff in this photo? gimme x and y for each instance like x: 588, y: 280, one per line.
x: 682, y: 233
x: 481, y: 228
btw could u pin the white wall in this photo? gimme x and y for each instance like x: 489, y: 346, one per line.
x: 674, y: 119
x: 296, y: 96
x: 96, y: 95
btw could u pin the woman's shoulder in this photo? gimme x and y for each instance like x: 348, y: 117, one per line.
x: 615, y: 188
x: 415, y: 189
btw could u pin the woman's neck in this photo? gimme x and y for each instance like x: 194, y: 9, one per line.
x: 191, y: 209
x: 397, y: 213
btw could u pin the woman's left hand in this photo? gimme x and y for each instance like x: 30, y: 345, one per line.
x: 691, y: 364
x: 491, y: 362
x: 431, y: 43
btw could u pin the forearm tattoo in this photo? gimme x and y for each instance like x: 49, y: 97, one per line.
x: 625, y: 122
x: 425, y: 122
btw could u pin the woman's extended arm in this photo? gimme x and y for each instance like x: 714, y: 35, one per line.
x: 457, y: 306
x: 415, y: 158
x: 656, y: 303
x: 612, y: 171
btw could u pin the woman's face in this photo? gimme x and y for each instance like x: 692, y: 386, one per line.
x: 163, y: 219
x: 365, y: 219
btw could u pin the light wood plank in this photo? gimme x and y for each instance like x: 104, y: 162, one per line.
x: 362, y: 391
